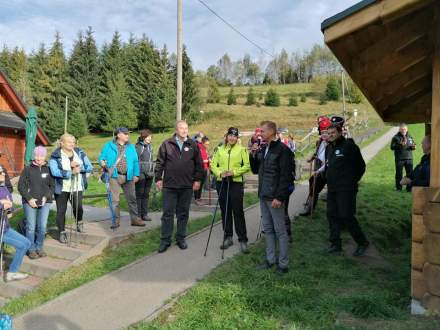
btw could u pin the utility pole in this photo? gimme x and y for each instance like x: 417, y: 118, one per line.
x: 179, y: 61
x: 343, y: 95
x: 65, y: 116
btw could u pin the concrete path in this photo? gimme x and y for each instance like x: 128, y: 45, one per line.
x: 138, y: 290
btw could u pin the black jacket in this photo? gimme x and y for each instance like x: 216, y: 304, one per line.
x: 421, y: 174
x: 36, y: 182
x: 145, y: 155
x: 344, y: 165
x: 275, y: 171
x: 402, y: 151
x: 178, y: 169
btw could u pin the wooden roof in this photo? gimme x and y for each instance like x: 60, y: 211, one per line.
x: 387, y: 47
x: 18, y: 106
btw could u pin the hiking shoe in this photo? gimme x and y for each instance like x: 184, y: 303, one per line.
x: 282, y: 270
x: 227, y: 243
x: 244, y: 247
x: 63, y: 237
x: 146, y: 218
x: 42, y: 254
x: 138, y: 222
x: 264, y: 266
x: 182, y: 245
x: 33, y: 255
x: 360, y: 251
x: 80, y: 227
x: 163, y: 247
x: 198, y: 202
x: 15, y: 276
x: 334, y: 249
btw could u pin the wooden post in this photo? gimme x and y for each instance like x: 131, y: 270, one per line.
x: 435, y: 115
x: 179, y: 61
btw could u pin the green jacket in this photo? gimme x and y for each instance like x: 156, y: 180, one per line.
x: 238, y: 162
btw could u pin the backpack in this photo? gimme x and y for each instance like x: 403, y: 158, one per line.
x: 5, y: 322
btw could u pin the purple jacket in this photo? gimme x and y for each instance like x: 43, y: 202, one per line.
x: 5, y: 194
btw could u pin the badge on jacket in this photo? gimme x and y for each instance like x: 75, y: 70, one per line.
x: 186, y: 149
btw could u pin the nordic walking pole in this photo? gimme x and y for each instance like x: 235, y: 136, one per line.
x: 313, y: 196
x: 2, y: 231
x: 213, y: 219
x: 71, y: 210
x: 77, y: 201
x: 227, y: 206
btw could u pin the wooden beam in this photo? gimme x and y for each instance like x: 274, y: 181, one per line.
x: 435, y: 115
x: 417, y: 102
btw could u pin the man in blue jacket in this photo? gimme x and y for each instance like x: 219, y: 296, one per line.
x: 120, y: 158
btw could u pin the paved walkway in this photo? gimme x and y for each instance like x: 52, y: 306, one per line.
x: 138, y: 290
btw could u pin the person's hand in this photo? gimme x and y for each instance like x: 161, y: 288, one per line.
x: 7, y: 204
x: 73, y: 164
x: 276, y: 204
x: 103, y: 163
x: 135, y: 179
x: 196, y: 185
x: 33, y: 203
x: 224, y: 174
x: 309, y: 160
x: 405, y: 181
x: 76, y: 170
x: 255, y: 147
x: 43, y: 200
x: 159, y: 185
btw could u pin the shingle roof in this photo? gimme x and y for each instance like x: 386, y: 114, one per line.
x: 11, y: 120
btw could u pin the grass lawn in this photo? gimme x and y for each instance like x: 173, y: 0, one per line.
x: 319, y: 292
x: 111, y: 259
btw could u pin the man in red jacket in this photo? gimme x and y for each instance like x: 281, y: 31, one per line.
x: 203, y: 144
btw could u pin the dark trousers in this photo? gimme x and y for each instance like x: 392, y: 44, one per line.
x: 175, y: 201
x: 143, y: 187
x: 286, y: 216
x: 341, y: 209
x: 62, y: 200
x: 319, y: 184
x: 400, y: 164
x: 128, y: 187
x: 235, y: 213
x: 198, y: 193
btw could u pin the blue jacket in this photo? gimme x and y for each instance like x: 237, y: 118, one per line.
x: 56, y: 169
x: 110, y: 153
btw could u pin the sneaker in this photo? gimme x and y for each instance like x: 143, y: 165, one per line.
x: 361, y: 249
x: 138, y: 223
x: 198, y: 202
x: 334, y: 249
x: 15, y: 276
x: 33, y: 255
x: 282, y: 270
x: 163, y: 247
x: 80, y: 227
x: 42, y: 254
x: 227, y: 243
x: 264, y: 266
x: 182, y: 245
x: 244, y: 247
x: 146, y: 218
x: 63, y: 237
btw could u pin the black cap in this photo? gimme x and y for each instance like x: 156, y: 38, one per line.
x: 233, y: 131
x: 337, y: 121
x: 283, y: 130
x: 122, y: 130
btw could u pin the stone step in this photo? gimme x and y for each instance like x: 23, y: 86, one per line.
x: 15, y: 289
x: 43, y: 267
x: 78, y: 238
x: 204, y: 208
x: 63, y: 251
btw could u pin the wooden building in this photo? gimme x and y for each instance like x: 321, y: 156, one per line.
x: 391, y: 49
x: 12, y: 129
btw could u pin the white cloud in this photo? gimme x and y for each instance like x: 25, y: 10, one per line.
x: 277, y: 24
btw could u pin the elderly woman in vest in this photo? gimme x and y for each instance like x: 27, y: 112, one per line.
x: 144, y: 150
x: 69, y: 166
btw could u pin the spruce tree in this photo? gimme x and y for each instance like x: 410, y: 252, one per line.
x: 232, y: 99
x: 213, y: 93
x: 251, y: 98
x: 332, y: 91
x: 293, y: 100
x: 5, y: 60
x: 272, y: 99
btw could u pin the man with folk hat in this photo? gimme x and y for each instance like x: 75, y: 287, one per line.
x: 344, y: 168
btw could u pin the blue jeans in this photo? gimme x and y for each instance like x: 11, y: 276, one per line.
x: 21, y: 245
x: 36, y: 222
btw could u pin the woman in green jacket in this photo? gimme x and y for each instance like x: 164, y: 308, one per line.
x: 229, y: 164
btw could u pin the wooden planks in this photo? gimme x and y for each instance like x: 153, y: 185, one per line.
x: 435, y: 115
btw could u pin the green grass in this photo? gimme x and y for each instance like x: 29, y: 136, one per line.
x: 319, y: 292
x: 111, y: 259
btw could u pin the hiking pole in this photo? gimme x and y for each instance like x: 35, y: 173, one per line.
x: 213, y: 219
x: 312, y: 201
x: 76, y: 204
x: 71, y: 211
x: 2, y: 231
x: 227, y: 206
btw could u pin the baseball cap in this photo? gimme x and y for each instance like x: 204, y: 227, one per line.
x: 233, y: 131
x: 337, y: 121
x: 122, y: 130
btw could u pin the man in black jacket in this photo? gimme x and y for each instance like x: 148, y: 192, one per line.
x: 420, y: 177
x: 178, y: 172
x: 403, y: 145
x: 344, y: 168
x: 273, y: 163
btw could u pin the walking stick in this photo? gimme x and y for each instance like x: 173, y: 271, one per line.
x: 2, y: 231
x: 313, y: 196
x: 213, y: 219
x: 227, y: 205
x: 72, y: 178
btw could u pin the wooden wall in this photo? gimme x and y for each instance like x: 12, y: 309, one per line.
x: 4, y: 105
x: 15, y: 144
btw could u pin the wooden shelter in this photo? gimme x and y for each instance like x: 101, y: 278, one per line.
x: 12, y: 129
x: 391, y: 50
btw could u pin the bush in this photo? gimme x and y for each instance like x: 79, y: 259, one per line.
x: 213, y: 93
x: 251, y: 97
x: 232, y: 99
x: 332, y: 91
x: 272, y: 99
x: 322, y: 99
x: 303, y: 98
x: 293, y: 100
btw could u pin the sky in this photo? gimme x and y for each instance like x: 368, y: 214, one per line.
x: 273, y: 24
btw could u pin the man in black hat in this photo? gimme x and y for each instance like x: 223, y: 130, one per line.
x: 344, y: 168
x: 403, y: 145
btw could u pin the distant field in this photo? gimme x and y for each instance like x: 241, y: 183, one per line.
x: 216, y: 118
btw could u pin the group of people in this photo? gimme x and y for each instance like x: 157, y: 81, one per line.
x: 180, y: 170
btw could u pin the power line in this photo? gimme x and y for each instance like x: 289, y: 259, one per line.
x: 235, y: 29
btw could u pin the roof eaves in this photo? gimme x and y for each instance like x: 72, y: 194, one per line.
x: 347, y: 12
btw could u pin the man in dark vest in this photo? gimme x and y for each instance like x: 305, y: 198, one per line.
x: 403, y: 145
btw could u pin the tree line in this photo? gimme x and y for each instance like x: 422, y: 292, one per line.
x: 283, y: 68
x: 128, y: 84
